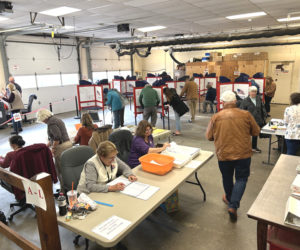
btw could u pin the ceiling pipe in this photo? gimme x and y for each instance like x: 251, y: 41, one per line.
x: 221, y: 38
x: 237, y: 46
x: 28, y: 27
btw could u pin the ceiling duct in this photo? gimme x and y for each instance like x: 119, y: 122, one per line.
x: 171, y: 50
x: 237, y: 46
x: 209, y: 39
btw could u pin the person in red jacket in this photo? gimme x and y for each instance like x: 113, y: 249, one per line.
x: 16, y: 142
x: 85, y: 132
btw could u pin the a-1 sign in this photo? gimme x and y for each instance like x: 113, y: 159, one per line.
x: 34, y: 194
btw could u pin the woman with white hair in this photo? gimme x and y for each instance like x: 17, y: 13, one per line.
x: 255, y: 106
x: 57, y: 135
x: 15, y: 100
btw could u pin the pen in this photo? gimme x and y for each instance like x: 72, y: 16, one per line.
x: 105, y: 204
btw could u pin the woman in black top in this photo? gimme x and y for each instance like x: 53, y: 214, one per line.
x: 178, y: 106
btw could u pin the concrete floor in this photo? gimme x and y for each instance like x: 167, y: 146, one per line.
x: 202, y: 225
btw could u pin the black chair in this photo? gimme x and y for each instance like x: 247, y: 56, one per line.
x: 28, y: 108
x: 122, y: 139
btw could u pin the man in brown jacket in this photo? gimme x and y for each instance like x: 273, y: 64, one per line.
x: 191, y: 90
x: 231, y: 130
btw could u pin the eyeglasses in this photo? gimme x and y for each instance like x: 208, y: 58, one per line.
x: 148, y: 130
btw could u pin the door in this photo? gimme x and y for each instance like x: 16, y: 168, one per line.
x: 282, y: 73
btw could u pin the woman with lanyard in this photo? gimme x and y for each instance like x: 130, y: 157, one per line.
x: 102, y: 168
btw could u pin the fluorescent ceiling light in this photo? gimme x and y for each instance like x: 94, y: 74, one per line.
x: 288, y: 19
x: 247, y: 15
x: 151, y: 28
x: 60, y: 11
x: 2, y: 18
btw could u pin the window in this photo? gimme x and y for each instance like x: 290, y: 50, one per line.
x: 26, y: 82
x: 48, y: 80
x: 110, y: 75
x: 70, y: 79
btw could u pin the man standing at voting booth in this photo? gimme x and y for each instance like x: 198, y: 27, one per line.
x: 149, y: 101
x: 231, y: 130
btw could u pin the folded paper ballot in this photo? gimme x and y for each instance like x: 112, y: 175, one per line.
x: 296, y: 184
x: 136, y: 189
x: 182, y: 154
x: 292, y: 212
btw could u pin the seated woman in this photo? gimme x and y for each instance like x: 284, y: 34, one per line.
x: 85, y: 132
x: 142, y: 143
x: 16, y: 142
x: 103, y: 168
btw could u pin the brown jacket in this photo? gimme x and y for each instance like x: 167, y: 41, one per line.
x: 231, y: 130
x: 270, y: 90
x: 191, y: 90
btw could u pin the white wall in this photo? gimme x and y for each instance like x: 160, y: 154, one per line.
x: 106, y: 59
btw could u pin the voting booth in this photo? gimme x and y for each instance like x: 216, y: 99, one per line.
x: 124, y: 86
x: 178, y: 85
x: 151, y: 80
x: 161, y: 109
x: 91, y: 96
x: 242, y: 90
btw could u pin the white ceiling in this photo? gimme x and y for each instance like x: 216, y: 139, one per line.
x: 179, y: 16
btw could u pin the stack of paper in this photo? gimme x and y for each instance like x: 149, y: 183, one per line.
x: 182, y: 154
x: 298, y: 169
x: 292, y: 212
x: 136, y: 189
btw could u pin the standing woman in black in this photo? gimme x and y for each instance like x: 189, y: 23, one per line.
x: 178, y: 106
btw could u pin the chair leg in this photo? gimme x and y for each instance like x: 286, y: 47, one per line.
x: 75, y: 241
x: 22, y: 208
x: 86, y: 244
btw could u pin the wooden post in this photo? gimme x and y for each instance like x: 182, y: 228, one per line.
x: 47, y: 220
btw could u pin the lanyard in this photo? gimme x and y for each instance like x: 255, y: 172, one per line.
x: 108, y: 178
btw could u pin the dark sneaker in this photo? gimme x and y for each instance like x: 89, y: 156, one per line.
x: 232, y: 214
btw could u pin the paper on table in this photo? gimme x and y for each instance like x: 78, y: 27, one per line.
x: 296, y: 184
x: 292, y: 213
x: 121, y: 179
x: 151, y: 190
x: 135, y: 189
x: 193, y: 164
x: 110, y: 228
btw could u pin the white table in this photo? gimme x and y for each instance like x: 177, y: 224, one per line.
x: 269, y: 206
x: 130, y: 208
x: 269, y: 131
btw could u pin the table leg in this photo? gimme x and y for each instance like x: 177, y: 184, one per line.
x: 130, y: 102
x: 269, y: 152
x: 262, y: 229
x: 198, y: 184
x: 135, y: 120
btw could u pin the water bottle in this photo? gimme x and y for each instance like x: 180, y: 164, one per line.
x: 62, y: 204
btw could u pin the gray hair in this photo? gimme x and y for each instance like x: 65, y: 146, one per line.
x: 228, y: 96
x: 43, y: 115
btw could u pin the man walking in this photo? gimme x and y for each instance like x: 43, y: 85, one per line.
x: 191, y: 90
x: 231, y: 130
x: 149, y: 101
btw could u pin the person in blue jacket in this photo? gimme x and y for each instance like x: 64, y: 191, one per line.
x: 115, y: 102
x: 209, y: 98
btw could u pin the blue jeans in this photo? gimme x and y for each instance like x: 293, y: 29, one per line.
x: 177, y: 121
x: 292, y: 146
x: 117, y: 115
x: 241, y: 169
x: 17, y: 125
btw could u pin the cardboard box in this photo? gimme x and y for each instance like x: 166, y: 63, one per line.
x: 215, y: 54
x: 216, y: 59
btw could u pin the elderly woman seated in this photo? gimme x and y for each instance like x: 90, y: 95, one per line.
x: 101, y: 169
x: 143, y: 143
